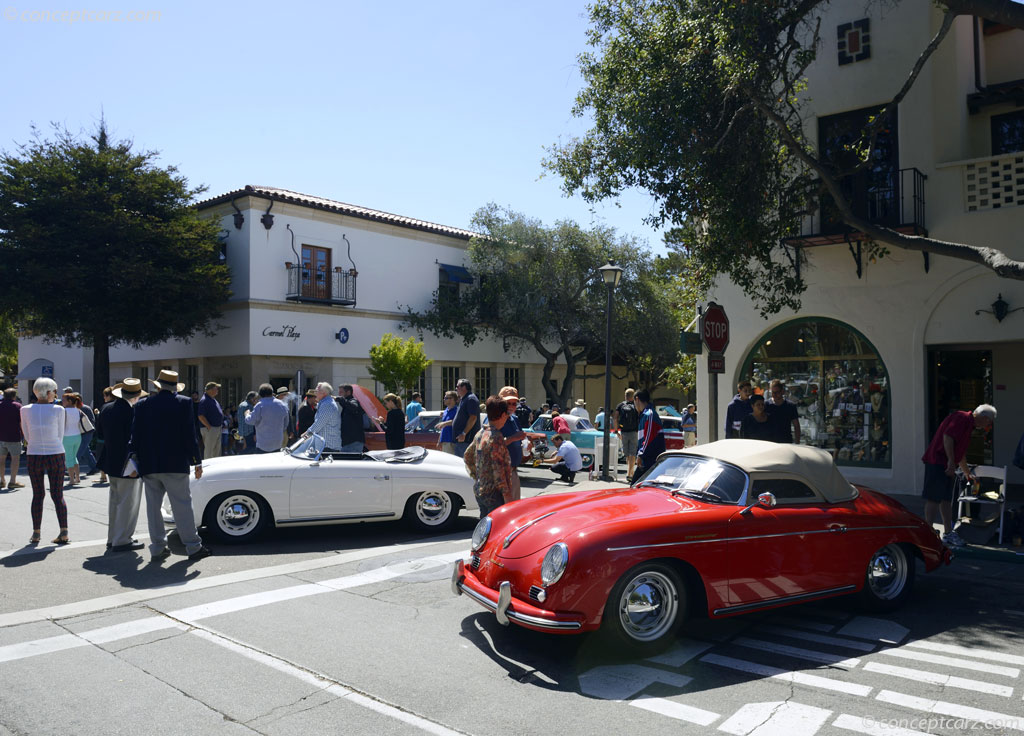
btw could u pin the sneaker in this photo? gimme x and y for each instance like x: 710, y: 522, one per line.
x: 200, y: 554
x: 952, y: 539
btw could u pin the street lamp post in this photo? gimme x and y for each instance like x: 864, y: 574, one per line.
x: 611, y: 275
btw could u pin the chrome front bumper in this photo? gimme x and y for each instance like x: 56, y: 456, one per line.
x: 502, y: 607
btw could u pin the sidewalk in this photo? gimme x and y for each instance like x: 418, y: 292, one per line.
x: 541, y: 482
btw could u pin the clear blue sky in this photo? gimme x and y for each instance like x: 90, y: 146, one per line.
x: 429, y: 110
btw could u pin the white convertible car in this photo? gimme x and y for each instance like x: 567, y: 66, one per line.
x: 240, y: 497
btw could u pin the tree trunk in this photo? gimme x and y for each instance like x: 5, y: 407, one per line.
x: 100, y: 368
x: 565, y: 395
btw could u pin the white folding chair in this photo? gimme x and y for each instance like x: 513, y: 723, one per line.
x: 988, y: 472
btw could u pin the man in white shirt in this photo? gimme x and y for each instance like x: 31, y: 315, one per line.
x: 567, y: 461
x: 580, y: 410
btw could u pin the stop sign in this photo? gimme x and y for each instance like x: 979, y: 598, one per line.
x: 716, y: 328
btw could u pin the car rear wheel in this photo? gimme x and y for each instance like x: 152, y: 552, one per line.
x: 646, y: 609
x: 889, y: 579
x: 431, y: 512
x: 237, y: 517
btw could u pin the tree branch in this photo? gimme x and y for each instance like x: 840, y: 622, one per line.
x: 991, y: 258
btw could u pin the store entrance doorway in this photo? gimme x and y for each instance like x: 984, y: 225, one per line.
x: 959, y: 380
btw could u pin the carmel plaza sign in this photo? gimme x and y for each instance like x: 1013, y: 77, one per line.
x: 287, y: 331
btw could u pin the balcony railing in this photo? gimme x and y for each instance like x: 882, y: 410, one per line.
x: 320, y: 286
x: 891, y: 199
x: 993, y: 183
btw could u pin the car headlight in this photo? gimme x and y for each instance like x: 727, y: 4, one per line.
x: 480, y: 534
x: 554, y: 563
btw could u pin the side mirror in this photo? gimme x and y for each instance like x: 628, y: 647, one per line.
x: 764, y: 500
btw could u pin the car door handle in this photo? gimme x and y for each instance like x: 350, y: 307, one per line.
x: 382, y: 477
x: 837, y: 528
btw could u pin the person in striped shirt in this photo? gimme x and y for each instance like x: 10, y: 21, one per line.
x: 327, y: 422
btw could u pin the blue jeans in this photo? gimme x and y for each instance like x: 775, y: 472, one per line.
x: 250, y: 443
x: 355, y: 448
x: 85, y: 456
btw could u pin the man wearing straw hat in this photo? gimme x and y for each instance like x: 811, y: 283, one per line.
x: 114, y: 428
x: 164, y: 444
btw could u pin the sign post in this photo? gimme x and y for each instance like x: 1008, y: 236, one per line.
x: 714, y: 331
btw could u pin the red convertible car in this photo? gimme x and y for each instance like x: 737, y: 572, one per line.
x: 716, y: 530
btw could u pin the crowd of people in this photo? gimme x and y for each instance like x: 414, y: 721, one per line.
x: 148, y: 442
x: 752, y: 416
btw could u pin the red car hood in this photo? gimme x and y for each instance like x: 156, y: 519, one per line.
x: 540, y: 522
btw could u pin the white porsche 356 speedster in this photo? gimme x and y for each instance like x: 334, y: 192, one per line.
x: 240, y: 497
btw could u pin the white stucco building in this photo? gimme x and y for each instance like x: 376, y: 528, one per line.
x: 296, y: 306
x: 882, y: 351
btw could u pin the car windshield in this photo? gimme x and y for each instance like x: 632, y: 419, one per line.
x: 307, y: 448
x: 584, y: 424
x: 423, y: 423
x: 691, y: 473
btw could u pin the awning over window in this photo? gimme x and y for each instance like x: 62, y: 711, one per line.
x: 38, y: 368
x: 456, y: 274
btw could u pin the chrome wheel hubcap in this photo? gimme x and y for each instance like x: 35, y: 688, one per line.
x: 887, y: 572
x: 433, y: 508
x: 648, y: 606
x: 238, y: 515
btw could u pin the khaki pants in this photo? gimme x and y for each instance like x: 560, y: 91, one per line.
x: 517, y: 491
x: 211, y: 442
x: 123, y: 509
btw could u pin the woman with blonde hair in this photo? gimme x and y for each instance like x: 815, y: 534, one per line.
x: 394, y: 423
x: 43, y: 424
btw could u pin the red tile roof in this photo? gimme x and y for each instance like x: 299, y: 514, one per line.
x: 320, y: 203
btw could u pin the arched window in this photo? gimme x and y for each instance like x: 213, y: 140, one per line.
x: 837, y: 381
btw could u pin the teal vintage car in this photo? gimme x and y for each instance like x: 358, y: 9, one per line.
x: 583, y: 435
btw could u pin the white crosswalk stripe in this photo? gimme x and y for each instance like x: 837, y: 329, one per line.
x: 819, y: 638
x: 992, y: 669
x: 936, y: 678
x: 815, y: 681
x: 966, y: 651
x: 798, y: 652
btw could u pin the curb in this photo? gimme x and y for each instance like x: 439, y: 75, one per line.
x: 989, y: 553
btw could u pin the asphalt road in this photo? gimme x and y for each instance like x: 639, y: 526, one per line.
x: 355, y: 630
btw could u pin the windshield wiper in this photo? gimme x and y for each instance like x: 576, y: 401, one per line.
x: 704, y: 495
x: 656, y: 483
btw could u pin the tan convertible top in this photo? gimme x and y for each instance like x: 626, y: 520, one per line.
x: 771, y: 458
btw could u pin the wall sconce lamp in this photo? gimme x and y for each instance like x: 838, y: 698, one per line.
x: 239, y: 217
x: 999, y: 309
x: 268, y: 219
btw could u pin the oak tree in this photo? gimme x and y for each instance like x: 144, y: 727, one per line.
x: 700, y: 103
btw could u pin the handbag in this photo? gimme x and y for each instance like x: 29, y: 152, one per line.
x: 84, y: 423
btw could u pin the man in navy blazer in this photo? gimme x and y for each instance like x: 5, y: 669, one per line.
x: 114, y: 428
x: 164, y: 444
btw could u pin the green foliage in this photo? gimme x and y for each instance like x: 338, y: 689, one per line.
x: 99, y: 246
x: 677, y: 92
x: 539, y: 288
x: 397, y: 364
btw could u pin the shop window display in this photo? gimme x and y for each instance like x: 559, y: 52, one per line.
x: 838, y: 382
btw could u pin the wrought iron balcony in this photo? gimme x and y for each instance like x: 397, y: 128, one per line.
x: 320, y: 286
x: 894, y: 199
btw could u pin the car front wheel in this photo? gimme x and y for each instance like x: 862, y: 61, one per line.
x: 889, y: 579
x: 431, y: 512
x: 646, y: 609
x: 237, y: 517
